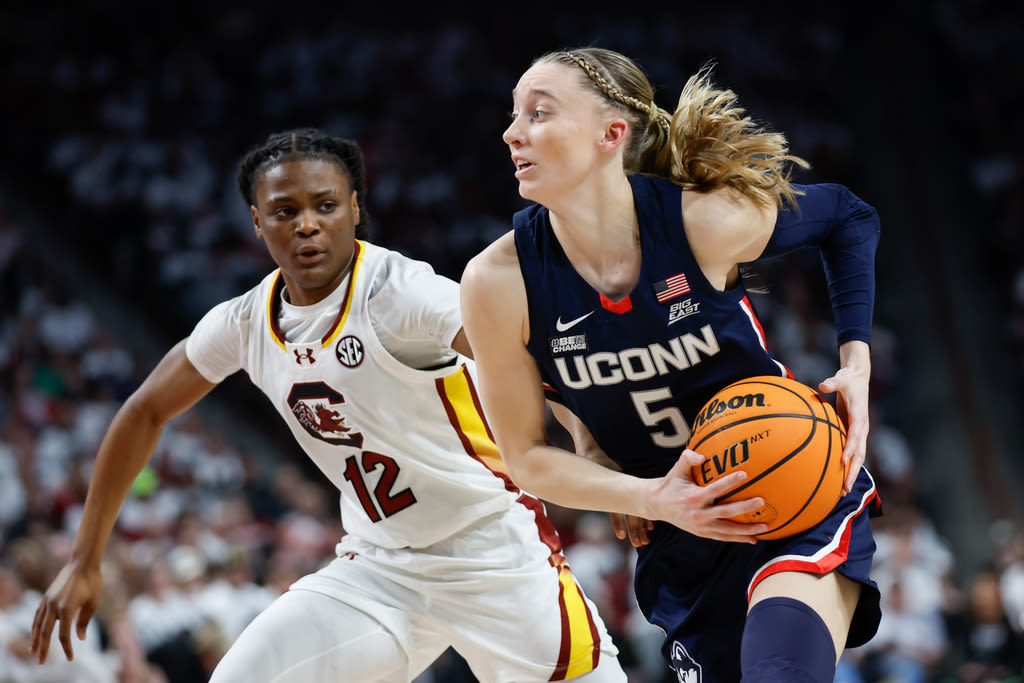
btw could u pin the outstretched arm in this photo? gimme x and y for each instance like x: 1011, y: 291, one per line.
x: 172, y: 387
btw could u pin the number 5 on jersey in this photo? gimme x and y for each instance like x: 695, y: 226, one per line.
x: 669, y: 428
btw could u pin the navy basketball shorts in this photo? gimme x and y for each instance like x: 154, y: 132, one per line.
x: 697, y: 589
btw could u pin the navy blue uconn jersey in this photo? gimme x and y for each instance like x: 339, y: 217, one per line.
x: 635, y: 371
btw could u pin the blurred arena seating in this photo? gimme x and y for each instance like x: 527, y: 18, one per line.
x: 120, y: 225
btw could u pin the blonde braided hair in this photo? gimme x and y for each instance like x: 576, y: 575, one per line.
x: 707, y: 143
x: 651, y: 109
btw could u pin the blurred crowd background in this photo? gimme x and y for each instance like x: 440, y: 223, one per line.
x: 120, y: 225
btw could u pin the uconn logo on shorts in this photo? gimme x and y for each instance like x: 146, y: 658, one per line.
x: 687, y: 668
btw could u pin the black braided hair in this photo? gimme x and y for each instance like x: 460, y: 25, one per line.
x: 307, y: 143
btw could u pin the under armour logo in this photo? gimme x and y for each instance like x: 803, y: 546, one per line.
x: 308, y: 355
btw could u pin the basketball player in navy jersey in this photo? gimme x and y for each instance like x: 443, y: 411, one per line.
x: 362, y: 352
x: 618, y: 297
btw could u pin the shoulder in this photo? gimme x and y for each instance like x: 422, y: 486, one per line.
x: 493, y: 298
x: 725, y: 227
x: 393, y: 262
x: 241, y: 309
x: 492, y: 278
x: 388, y: 270
x: 495, y: 262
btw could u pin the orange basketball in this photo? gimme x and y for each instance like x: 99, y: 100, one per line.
x: 789, y: 441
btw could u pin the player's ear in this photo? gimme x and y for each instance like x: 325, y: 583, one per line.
x: 614, y: 133
x: 355, y: 207
x: 256, y: 222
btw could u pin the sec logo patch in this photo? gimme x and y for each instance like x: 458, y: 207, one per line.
x: 349, y: 351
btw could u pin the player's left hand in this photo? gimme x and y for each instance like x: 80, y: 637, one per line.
x: 851, y: 388
x: 635, y: 528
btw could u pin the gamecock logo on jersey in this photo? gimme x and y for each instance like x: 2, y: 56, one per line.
x: 349, y: 351
x: 314, y: 405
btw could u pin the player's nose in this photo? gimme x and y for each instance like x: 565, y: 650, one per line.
x: 308, y: 223
x: 513, y: 134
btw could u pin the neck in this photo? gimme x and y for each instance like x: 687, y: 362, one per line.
x: 599, y: 234
x: 299, y: 296
x: 597, y: 219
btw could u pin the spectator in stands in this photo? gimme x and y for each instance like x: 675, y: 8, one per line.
x: 986, y: 648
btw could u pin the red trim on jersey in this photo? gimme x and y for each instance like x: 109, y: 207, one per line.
x: 479, y: 406
x: 545, y: 528
x: 745, y: 303
x: 549, y: 536
x: 467, y: 444
x: 274, y: 305
x: 827, y: 559
x: 620, y: 307
x: 565, y: 647
x: 748, y: 308
x: 357, y: 261
x: 274, y: 309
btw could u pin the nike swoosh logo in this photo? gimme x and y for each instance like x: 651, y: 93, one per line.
x: 562, y: 327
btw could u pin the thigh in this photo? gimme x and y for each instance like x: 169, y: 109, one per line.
x: 308, y: 637
x: 842, y: 544
x: 833, y: 596
x: 515, y: 611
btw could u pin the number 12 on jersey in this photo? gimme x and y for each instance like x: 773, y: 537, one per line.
x: 388, y: 503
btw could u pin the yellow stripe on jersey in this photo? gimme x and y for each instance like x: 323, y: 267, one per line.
x: 275, y: 289
x: 465, y: 414
x: 359, y: 250
x: 339, y: 324
x: 579, y: 641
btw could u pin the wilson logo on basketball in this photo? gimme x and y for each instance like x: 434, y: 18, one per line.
x: 716, y: 407
x: 789, y: 442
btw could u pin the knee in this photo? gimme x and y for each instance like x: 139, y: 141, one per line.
x: 785, y: 641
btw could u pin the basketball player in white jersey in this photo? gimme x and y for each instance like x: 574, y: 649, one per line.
x: 362, y: 352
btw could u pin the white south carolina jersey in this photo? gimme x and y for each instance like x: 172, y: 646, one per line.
x: 409, y: 449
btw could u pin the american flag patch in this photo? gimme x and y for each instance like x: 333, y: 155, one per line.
x: 672, y: 287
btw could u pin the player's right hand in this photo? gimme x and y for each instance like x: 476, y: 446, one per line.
x: 680, y: 501
x: 75, y: 591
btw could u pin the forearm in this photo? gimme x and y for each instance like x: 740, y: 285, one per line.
x: 583, y: 441
x: 125, y: 450
x: 571, y: 481
x: 855, y: 355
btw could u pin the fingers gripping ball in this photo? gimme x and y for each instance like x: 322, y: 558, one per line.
x: 789, y: 441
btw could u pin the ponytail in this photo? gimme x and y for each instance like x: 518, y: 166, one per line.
x: 714, y: 144
x: 707, y: 143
